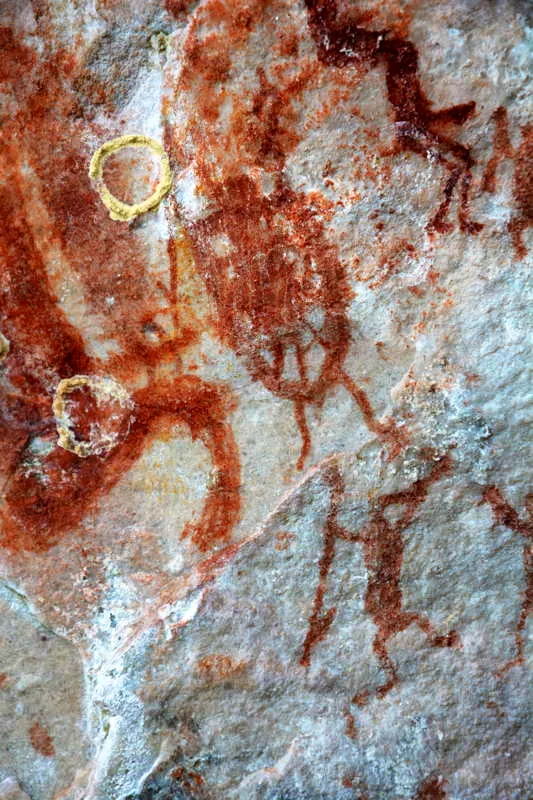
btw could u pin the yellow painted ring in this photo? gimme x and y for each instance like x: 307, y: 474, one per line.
x: 117, y: 209
x: 104, y: 388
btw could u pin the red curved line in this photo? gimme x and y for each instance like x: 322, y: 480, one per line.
x: 35, y: 516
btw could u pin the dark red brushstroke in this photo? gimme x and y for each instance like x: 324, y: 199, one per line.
x: 419, y: 128
x: 350, y: 729
x: 522, y: 191
x: 505, y: 514
x: 433, y: 788
x: 47, y: 490
x: 320, y: 620
x: 383, y: 548
x: 503, y: 149
x: 282, y: 271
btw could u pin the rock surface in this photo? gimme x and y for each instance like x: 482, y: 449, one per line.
x: 265, y: 462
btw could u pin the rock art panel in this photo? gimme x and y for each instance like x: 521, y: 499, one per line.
x: 265, y: 494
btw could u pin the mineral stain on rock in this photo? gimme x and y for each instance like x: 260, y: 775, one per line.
x: 118, y: 210
x: 173, y: 783
x: 4, y: 347
x: 92, y: 414
x: 433, y: 788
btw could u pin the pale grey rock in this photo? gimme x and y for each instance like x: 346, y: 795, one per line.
x: 41, y: 704
x: 10, y: 790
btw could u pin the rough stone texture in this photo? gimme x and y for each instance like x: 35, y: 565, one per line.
x: 300, y: 567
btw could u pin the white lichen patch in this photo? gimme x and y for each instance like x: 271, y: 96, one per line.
x: 111, y: 404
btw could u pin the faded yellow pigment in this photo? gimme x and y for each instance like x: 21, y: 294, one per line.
x: 117, y: 209
x: 4, y: 347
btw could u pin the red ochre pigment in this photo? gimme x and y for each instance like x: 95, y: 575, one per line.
x: 41, y: 741
x: 281, y: 292
x: 383, y: 548
x: 504, y: 514
x: 284, y: 289
x: 523, y: 175
x: 48, y: 493
x: 419, y: 128
x: 433, y: 788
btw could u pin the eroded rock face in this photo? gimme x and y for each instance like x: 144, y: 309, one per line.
x: 266, y: 518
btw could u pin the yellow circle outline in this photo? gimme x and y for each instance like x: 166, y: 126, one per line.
x: 104, y: 388
x: 117, y: 209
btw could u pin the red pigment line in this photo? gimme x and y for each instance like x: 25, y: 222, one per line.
x: 42, y: 504
x: 388, y: 431
x: 203, y: 408
x: 173, y: 266
x: 299, y: 413
x: 320, y: 622
x: 36, y: 513
x: 502, y: 148
x: 383, y: 549
x: 351, y: 728
x: 282, y: 268
x: 522, y: 192
x: 506, y: 515
x: 522, y: 219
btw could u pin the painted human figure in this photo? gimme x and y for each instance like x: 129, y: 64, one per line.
x: 419, y: 128
x: 383, y: 548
